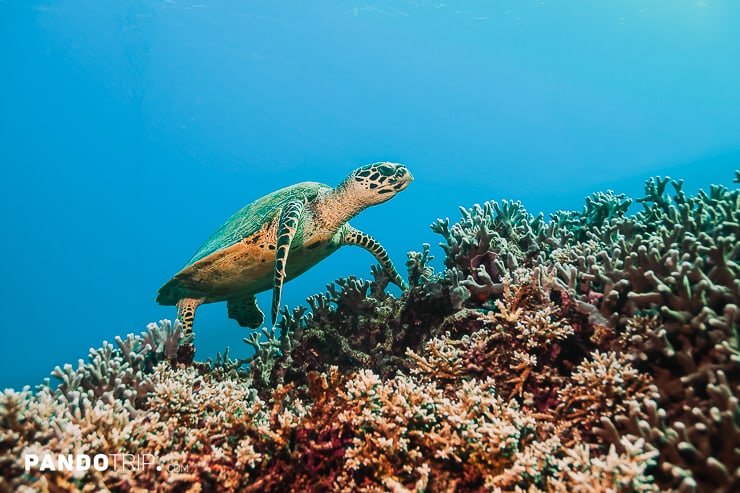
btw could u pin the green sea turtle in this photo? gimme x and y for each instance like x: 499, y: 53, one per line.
x: 277, y: 238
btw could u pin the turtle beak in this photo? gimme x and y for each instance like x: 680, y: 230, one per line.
x: 403, y: 178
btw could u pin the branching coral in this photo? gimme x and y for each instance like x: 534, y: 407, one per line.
x: 408, y: 433
x: 661, y: 286
x: 602, y: 387
x: 597, y: 351
x: 96, y: 407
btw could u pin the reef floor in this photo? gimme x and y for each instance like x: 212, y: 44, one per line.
x: 595, y: 351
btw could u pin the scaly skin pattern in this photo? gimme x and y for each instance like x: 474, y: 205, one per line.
x: 277, y: 238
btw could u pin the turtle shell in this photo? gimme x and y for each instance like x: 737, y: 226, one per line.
x: 246, y: 222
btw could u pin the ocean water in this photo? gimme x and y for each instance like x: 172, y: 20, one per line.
x: 129, y: 131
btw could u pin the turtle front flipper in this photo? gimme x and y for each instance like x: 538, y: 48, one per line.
x: 354, y: 236
x: 245, y: 311
x: 289, y: 219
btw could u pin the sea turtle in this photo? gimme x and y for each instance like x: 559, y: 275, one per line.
x: 277, y: 238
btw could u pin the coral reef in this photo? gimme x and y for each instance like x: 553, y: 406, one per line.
x: 596, y: 351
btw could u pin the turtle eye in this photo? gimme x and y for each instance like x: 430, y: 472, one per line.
x: 386, y: 170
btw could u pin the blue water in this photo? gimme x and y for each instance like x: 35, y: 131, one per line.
x: 130, y: 130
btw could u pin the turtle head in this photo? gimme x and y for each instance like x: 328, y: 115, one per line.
x: 377, y: 182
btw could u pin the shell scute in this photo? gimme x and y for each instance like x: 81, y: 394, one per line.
x: 248, y: 222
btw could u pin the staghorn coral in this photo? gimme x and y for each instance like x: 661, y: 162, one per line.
x: 411, y: 434
x: 505, y: 230
x: 597, y: 351
x: 95, y: 407
x: 662, y: 286
x: 615, y: 387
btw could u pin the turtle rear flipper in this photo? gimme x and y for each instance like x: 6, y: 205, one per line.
x: 245, y: 311
x: 186, y: 313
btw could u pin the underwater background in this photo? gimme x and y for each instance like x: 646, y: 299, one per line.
x: 131, y: 130
x: 583, y: 339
